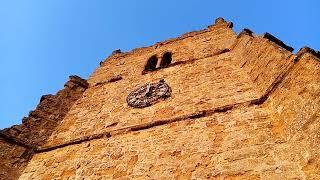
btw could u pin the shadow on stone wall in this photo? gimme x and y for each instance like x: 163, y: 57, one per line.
x: 17, y: 143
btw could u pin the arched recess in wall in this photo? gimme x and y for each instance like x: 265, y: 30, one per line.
x: 166, y: 59
x: 151, y: 63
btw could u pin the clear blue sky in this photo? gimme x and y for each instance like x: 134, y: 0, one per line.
x: 42, y: 42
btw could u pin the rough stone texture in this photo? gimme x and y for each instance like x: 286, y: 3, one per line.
x: 105, y: 104
x: 242, y: 107
x: 19, y: 141
x: 13, y: 159
x: 296, y: 113
x: 262, y: 59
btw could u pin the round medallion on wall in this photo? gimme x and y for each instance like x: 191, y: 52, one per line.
x: 149, y: 94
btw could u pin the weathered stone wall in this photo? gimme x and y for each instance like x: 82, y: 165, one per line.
x: 13, y: 159
x: 18, y: 142
x: 262, y: 59
x: 198, y: 83
x: 295, y: 107
x: 246, y: 142
x: 242, y: 107
x: 221, y: 144
x: 302, y: 85
x: 241, y: 143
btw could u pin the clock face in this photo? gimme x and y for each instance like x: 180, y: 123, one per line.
x: 148, y: 94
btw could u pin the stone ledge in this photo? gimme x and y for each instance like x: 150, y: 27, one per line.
x: 277, y: 41
x: 306, y: 49
x: 110, y: 80
x: 78, y: 81
x: 245, y: 31
x: 13, y: 140
x: 138, y: 127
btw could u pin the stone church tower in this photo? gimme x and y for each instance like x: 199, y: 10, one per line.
x: 209, y: 104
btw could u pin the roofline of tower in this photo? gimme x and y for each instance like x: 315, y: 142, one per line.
x: 219, y: 22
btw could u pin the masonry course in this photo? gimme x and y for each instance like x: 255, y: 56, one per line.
x: 242, y: 107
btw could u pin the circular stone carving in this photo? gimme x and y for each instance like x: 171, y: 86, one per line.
x: 148, y: 94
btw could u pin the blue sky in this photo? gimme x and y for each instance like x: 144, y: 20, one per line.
x: 42, y: 42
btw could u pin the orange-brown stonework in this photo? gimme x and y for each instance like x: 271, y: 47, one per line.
x: 241, y: 107
x: 18, y: 143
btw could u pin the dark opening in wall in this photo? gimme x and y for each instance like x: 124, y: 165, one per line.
x: 151, y: 64
x: 166, y: 59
